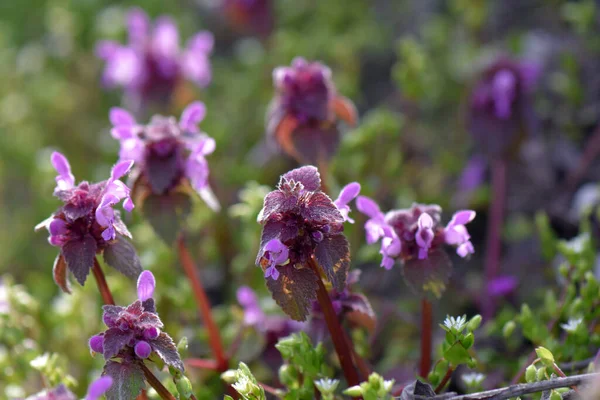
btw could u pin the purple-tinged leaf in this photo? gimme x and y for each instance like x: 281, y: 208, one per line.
x: 344, y: 109
x: 59, y: 271
x: 149, y: 306
x: 114, y: 340
x: 120, y: 226
x: 149, y: 320
x: 136, y: 308
x: 79, y: 255
x: 128, y: 380
x: 162, y: 171
x: 110, y: 314
x: 360, y: 311
x: 167, y: 351
x: 78, y: 209
x: 315, y: 144
x: 294, y: 291
x: 308, y: 176
x: 167, y: 214
x: 120, y: 254
x: 277, y: 202
x: 428, y: 277
x: 333, y: 255
x: 319, y: 208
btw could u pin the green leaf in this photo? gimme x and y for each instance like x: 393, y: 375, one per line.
x: 545, y: 355
x: 167, y: 214
x: 457, y: 354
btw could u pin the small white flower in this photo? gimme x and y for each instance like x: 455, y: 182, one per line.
x: 327, y: 385
x: 455, y: 323
x: 473, y: 378
x: 572, y: 324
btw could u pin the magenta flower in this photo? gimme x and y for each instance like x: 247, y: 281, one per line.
x: 501, y: 105
x: 95, y: 391
x: 87, y: 224
x: 303, y: 117
x: 348, y: 193
x: 168, y: 153
x: 134, y: 333
x: 152, y: 64
x: 254, y: 316
x: 98, y: 388
x: 301, y: 227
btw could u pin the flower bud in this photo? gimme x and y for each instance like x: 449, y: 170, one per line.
x: 530, y: 374
x: 474, y: 323
x: 151, y: 333
x: 541, y: 374
x: 508, y: 329
x: 184, y: 387
x: 554, y: 395
x: 142, y: 349
x: 353, y: 391
x: 468, y: 341
x: 229, y: 376
x: 97, y: 343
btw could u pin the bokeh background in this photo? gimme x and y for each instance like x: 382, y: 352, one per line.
x: 408, y: 65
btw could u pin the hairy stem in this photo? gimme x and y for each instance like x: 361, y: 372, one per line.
x: 203, y: 305
x: 102, y: 285
x: 426, y: 335
x: 362, y: 365
x: 494, y: 234
x: 162, y: 391
x: 335, y: 330
x: 445, y: 380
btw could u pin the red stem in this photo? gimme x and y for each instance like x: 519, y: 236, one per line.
x: 426, y: 335
x: 203, y: 305
x: 162, y: 391
x: 362, y: 366
x: 143, y: 395
x: 494, y: 234
x: 335, y: 330
x: 102, y: 285
x: 445, y: 380
x: 201, y: 363
x: 269, y: 389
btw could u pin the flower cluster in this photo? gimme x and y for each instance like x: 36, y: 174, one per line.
x: 301, y: 222
x: 303, y: 117
x: 500, y: 105
x: 87, y: 224
x: 134, y: 334
x: 95, y: 391
x: 152, y: 63
x: 414, y: 233
x: 167, y: 152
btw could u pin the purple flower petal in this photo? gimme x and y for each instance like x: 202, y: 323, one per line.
x: 246, y: 297
x: 165, y: 39
x: 120, y: 169
x: 120, y: 117
x: 201, y: 42
x: 57, y: 227
x: 142, y: 349
x: 196, y: 67
x: 99, y: 387
x: 106, y: 49
x: 368, y: 207
x: 145, y: 285
x: 465, y: 249
x: 65, y: 179
x: 192, y: 115
x: 424, y: 235
x: 348, y: 193
x: 278, y: 251
x: 462, y: 217
x: 138, y: 25
x: 128, y: 204
x: 504, y: 89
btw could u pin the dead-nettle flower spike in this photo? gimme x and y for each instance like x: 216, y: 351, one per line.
x: 87, y: 224
x: 168, y: 153
x: 416, y: 237
x: 303, y: 117
x: 152, y: 64
x: 300, y: 223
x: 500, y: 105
x: 134, y: 333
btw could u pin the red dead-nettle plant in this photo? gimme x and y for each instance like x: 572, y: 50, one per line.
x: 302, y: 244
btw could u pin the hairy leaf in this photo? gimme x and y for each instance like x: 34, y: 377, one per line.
x: 294, y: 291
x: 319, y: 208
x: 315, y: 144
x: 164, y: 346
x: 360, y: 311
x: 149, y: 319
x: 162, y: 172
x: 149, y: 305
x: 128, y: 380
x: 428, y: 277
x: 79, y: 255
x: 167, y: 214
x: 59, y: 271
x: 276, y: 202
x: 121, y: 255
x: 333, y: 255
x: 114, y: 340
x: 308, y: 176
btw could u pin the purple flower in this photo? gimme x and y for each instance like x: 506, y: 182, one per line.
x: 168, y: 153
x: 301, y: 225
x: 304, y: 114
x: 502, y: 286
x: 500, y: 105
x: 348, y: 193
x: 87, y: 224
x: 152, y: 64
x: 414, y: 233
x: 60, y: 392
x: 254, y: 316
x: 99, y: 387
x: 134, y: 333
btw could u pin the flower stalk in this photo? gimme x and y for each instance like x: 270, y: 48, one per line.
x: 426, y: 335
x: 162, y: 391
x: 102, y: 285
x: 335, y: 329
x: 203, y: 305
x: 445, y: 380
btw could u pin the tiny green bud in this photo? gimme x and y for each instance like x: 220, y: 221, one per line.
x: 530, y: 374
x: 184, y: 387
x: 509, y: 329
x: 353, y: 391
x: 545, y: 355
x: 182, y: 346
x: 229, y: 376
x: 468, y: 341
x: 474, y: 323
x: 541, y: 374
x: 554, y: 395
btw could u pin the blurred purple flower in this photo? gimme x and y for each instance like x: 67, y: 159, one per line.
x: 254, y: 316
x: 167, y: 152
x: 414, y: 233
x: 99, y: 387
x: 500, y: 105
x: 250, y: 16
x: 473, y: 175
x: 60, y: 392
x: 152, y: 63
x: 303, y: 117
x: 87, y: 223
x: 301, y: 223
x: 347, y: 194
x: 502, y: 286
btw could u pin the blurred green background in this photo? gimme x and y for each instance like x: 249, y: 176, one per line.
x: 409, y: 67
